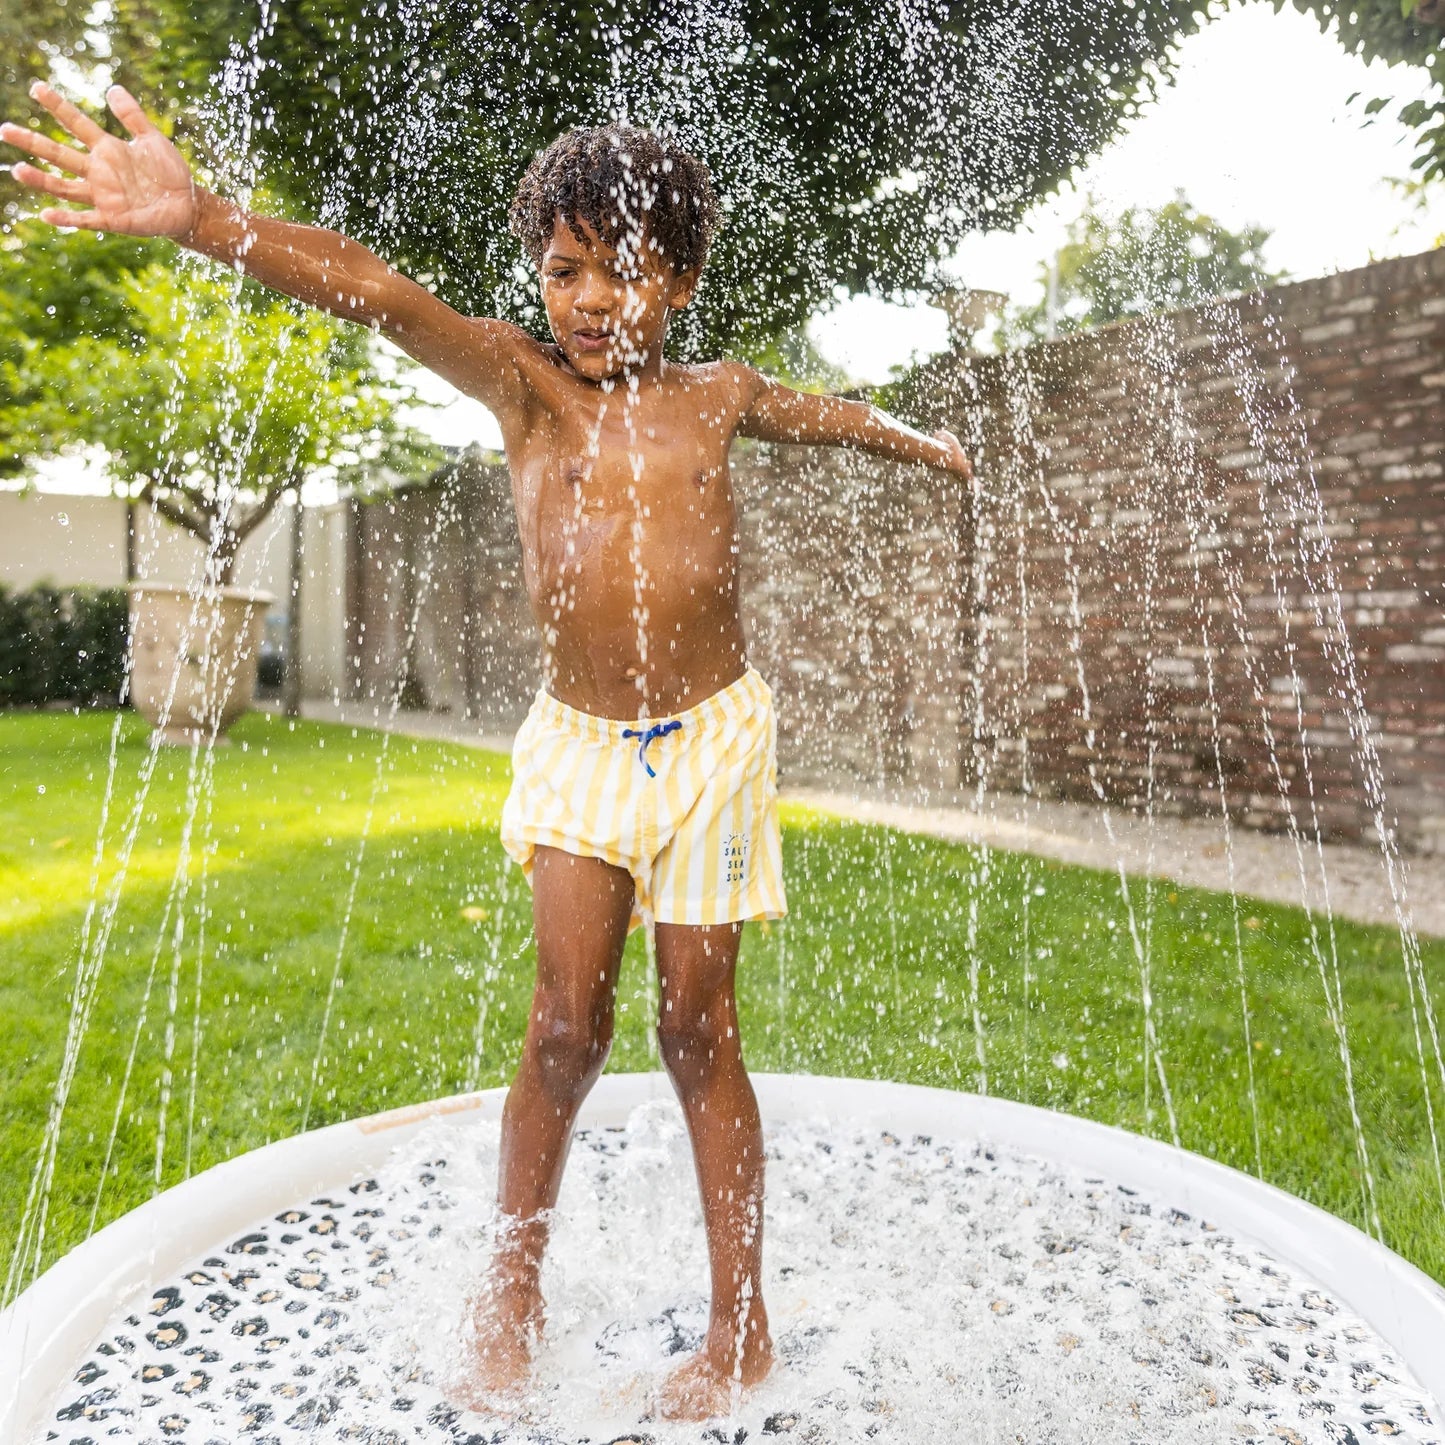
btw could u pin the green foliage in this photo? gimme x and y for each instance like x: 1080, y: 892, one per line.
x: 1143, y: 262
x: 53, y: 288
x: 210, y: 399
x: 852, y: 148
x: 1395, y: 31
x: 794, y: 360
x: 35, y: 35
x: 1419, y: 195
x: 1388, y: 30
x: 62, y: 644
x: 414, y: 121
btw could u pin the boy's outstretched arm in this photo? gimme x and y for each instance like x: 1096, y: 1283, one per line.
x: 779, y: 414
x: 143, y: 187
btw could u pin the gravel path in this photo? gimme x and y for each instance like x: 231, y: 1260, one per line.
x: 1191, y: 851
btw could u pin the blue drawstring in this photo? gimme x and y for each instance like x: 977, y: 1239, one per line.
x: 657, y: 730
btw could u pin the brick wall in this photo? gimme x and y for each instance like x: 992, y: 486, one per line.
x: 1169, y: 506
x: 1136, y: 600
x: 852, y: 575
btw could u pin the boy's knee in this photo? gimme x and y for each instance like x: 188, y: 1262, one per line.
x: 571, y: 1044
x: 693, y: 1041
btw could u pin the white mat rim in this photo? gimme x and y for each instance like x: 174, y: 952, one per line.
x: 44, y: 1335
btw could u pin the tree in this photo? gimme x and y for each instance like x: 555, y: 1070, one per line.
x: 852, y: 148
x: 215, y: 401
x: 793, y: 359
x: 53, y: 288
x: 1418, y: 196
x: 1143, y: 262
x: 1397, y: 32
x: 35, y: 36
x: 858, y: 144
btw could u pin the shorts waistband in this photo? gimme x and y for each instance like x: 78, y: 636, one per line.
x: 734, y: 701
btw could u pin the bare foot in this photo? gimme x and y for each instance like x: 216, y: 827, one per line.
x: 699, y: 1389
x: 506, y: 1325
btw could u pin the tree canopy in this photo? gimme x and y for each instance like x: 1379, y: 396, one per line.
x: 209, y: 399
x: 1142, y: 262
x: 54, y: 287
x: 1395, y: 31
x: 853, y: 147
x: 35, y: 36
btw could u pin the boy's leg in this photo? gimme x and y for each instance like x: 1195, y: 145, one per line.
x: 698, y: 1035
x: 581, y: 908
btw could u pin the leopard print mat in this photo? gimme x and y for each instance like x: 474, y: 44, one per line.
x: 918, y: 1292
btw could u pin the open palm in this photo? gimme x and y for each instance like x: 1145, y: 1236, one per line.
x: 141, y: 187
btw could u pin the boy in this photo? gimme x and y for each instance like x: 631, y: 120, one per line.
x: 645, y: 782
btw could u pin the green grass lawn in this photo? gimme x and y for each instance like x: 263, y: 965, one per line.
x: 210, y: 1019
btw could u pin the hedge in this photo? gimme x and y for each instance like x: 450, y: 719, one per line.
x: 62, y: 644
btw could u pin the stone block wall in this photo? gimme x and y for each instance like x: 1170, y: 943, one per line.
x: 1223, y: 531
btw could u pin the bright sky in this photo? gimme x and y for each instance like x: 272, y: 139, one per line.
x: 1256, y: 128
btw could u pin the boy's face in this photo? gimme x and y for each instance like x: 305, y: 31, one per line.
x: 608, y: 312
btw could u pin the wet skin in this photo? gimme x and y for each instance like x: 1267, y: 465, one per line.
x: 619, y: 463
x: 629, y: 538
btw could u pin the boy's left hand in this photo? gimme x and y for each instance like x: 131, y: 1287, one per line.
x: 955, y: 460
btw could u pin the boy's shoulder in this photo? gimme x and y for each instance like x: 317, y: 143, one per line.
x: 733, y: 377
x: 510, y: 338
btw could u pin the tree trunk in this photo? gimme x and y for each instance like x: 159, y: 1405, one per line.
x: 413, y: 693
x: 356, y: 599
x: 222, y: 561
x: 468, y: 503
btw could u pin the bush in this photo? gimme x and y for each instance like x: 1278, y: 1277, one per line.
x: 62, y: 644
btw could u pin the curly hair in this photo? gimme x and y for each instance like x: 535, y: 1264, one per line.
x: 627, y: 184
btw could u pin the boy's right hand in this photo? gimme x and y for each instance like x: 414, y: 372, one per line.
x: 141, y: 187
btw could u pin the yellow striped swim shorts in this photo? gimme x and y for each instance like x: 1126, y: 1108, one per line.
x: 688, y: 804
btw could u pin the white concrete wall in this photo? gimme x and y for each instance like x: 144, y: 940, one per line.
x: 323, y: 600
x: 52, y: 537
x: 71, y: 539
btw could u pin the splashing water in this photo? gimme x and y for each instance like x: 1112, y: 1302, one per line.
x: 1015, y: 1257
x: 1060, y: 1308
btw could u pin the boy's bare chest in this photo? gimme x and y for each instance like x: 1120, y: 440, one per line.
x: 635, y: 463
